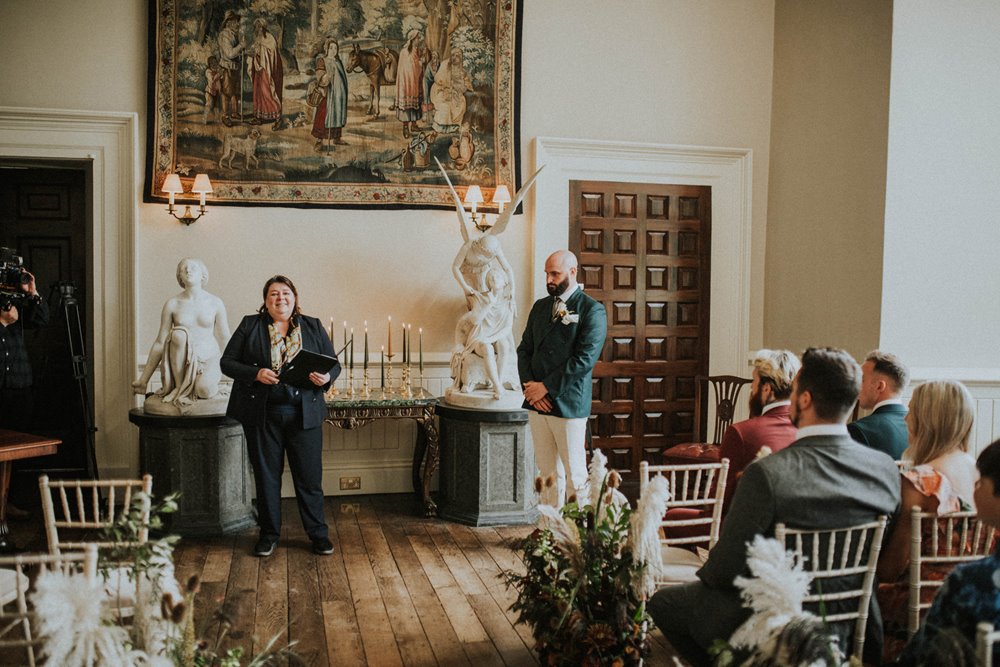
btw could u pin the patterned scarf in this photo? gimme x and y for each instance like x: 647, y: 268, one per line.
x: 283, y: 348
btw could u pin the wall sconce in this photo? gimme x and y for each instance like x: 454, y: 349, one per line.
x: 474, y: 197
x: 201, y: 186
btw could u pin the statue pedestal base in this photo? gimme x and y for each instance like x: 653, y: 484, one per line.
x: 487, y: 467
x: 205, y: 458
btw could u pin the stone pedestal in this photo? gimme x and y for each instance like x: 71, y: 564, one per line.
x: 487, y: 467
x: 205, y: 458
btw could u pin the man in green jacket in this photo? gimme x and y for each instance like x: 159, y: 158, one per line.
x: 883, y: 380
x: 561, y: 344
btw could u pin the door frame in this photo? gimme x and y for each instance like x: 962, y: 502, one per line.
x: 107, y: 143
x: 728, y: 172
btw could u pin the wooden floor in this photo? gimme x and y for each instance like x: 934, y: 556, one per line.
x: 399, y: 590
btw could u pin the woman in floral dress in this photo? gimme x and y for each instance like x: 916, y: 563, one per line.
x: 938, y: 475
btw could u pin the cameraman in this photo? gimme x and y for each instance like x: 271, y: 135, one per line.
x: 23, y: 311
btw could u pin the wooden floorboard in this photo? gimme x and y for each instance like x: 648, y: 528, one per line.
x: 400, y: 589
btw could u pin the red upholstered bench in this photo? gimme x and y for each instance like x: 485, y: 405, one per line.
x: 692, y: 452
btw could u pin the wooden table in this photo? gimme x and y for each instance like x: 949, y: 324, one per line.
x: 14, y: 446
x: 355, y: 411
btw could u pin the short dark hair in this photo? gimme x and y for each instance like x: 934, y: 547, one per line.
x: 889, y: 365
x: 989, y: 464
x: 284, y: 280
x: 832, y: 378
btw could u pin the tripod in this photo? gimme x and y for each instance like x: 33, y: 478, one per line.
x: 70, y: 307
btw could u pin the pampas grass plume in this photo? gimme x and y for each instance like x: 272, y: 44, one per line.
x: 644, y: 533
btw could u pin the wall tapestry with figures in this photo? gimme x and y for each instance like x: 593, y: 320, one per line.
x: 333, y: 102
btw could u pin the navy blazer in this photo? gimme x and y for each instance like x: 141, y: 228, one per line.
x: 249, y: 350
x: 562, y: 356
x: 884, y: 430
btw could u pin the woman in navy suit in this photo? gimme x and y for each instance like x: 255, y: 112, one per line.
x: 277, y: 418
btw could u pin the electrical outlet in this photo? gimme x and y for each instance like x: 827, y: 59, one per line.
x: 350, y: 483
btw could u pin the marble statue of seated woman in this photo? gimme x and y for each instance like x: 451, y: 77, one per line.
x: 187, y: 349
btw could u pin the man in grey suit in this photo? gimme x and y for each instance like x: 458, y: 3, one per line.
x: 822, y: 480
x: 561, y: 344
x: 883, y: 379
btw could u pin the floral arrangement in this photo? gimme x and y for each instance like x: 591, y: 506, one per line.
x: 588, y: 571
x: 84, y: 622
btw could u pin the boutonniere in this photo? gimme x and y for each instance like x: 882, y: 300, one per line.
x: 568, y: 317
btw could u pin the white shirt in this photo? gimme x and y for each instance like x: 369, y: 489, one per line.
x: 560, y: 300
x: 771, y: 406
x: 888, y: 401
x: 821, y: 429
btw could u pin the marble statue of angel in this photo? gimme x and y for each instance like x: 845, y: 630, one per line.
x: 484, y: 358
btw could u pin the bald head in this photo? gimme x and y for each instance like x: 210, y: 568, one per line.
x: 560, y: 272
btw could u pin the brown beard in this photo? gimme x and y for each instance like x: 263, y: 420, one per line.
x: 756, y: 405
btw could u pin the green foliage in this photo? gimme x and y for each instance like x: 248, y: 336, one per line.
x: 478, y: 55
x: 579, y: 600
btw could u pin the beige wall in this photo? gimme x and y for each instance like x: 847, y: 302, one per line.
x: 687, y: 72
x: 827, y: 178
x: 941, y: 296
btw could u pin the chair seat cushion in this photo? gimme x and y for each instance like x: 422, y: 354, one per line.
x: 8, y: 585
x: 692, y: 452
x: 679, y: 565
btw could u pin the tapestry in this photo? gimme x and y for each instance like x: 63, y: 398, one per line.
x: 333, y: 102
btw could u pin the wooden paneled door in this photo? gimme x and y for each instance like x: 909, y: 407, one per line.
x: 644, y: 253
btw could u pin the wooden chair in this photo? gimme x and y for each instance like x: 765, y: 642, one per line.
x: 986, y: 639
x: 17, y: 623
x: 81, y: 509
x: 81, y: 512
x: 696, y: 486
x: 727, y: 390
x: 835, y: 553
x: 955, y: 538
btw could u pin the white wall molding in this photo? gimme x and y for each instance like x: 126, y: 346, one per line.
x: 107, y: 142
x: 728, y: 172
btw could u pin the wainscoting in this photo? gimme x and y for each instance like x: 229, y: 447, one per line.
x: 984, y: 385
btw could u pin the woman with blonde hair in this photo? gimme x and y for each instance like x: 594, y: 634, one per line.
x: 938, y: 475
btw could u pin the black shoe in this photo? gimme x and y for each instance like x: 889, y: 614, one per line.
x: 322, y: 546
x: 264, y: 547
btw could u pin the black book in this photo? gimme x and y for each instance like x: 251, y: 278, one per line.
x: 296, y: 372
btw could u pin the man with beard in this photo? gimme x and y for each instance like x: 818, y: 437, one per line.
x: 561, y: 344
x: 883, y: 379
x: 769, y: 424
x: 823, y: 480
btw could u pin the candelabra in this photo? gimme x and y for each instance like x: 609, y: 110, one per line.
x: 405, y: 390
x: 366, y: 391
x: 388, y: 375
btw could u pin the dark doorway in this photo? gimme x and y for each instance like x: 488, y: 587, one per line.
x: 43, y: 217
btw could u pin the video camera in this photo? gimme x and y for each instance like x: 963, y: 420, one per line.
x: 12, y: 276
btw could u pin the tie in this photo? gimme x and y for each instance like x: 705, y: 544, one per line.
x: 557, y: 306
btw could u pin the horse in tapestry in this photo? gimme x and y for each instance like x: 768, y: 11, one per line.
x: 379, y: 65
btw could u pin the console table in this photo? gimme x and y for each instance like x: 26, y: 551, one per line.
x: 347, y: 412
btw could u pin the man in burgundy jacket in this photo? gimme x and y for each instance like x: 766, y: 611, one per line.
x: 769, y: 424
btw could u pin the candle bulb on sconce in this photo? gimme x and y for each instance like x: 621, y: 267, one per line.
x: 201, y: 186
x: 474, y: 197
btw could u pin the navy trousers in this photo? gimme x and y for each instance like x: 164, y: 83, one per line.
x: 282, y: 434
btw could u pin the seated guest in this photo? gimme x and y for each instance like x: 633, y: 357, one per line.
x: 969, y: 595
x: 940, y: 480
x: 822, y: 480
x: 769, y: 424
x: 883, y: 379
